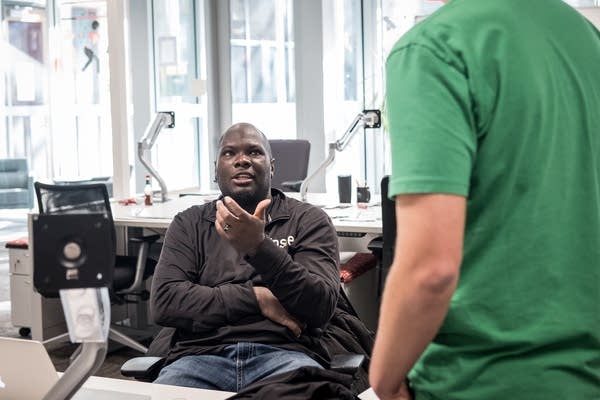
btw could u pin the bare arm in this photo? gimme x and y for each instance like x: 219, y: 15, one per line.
x: 422, y: 279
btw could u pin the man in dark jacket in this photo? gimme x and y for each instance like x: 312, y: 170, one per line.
x: 250, y: 281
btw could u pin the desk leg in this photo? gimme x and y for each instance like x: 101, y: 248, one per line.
x: 363, y: 291
x: 122, y: 238
x: 133, y: 316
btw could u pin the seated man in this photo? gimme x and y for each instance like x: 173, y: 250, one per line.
x: 249, y: 281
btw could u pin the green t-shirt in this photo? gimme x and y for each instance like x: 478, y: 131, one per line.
x: 499, y: 101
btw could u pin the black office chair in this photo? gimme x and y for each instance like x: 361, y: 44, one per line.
x: 130, y: 272
x: 291, y: 163
x: 388, y: 219
x: 383, y: 246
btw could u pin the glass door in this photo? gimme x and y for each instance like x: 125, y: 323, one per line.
x: 24, y: 110
x: 81, y: 125
x: 180, y: 84
x: 262, y: 66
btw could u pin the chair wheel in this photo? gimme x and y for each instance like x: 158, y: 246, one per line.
x: 24, y: 331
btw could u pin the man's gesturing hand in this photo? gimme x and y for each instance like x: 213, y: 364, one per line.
x: 244, y: 231
x: 272, y: 309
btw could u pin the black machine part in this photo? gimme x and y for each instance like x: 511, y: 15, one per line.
x: 72, y: 251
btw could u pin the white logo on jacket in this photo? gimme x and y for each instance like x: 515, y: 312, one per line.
x: 283, y: 243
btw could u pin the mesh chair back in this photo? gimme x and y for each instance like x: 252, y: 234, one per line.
x: 388, y: 219
x: 291, y: 160
x: 74, y: 199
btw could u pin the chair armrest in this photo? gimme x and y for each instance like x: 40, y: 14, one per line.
x: 142, y: 368
x: 346, y: 363
x: 144, y: 239
x: 376, y: 245
x: 291, y: 186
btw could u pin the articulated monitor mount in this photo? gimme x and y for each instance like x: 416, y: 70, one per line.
x: 165, y: 119
x: 73, y: 258
x: 364, y: 119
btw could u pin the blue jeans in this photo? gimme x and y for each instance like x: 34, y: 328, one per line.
x: 236, y: 367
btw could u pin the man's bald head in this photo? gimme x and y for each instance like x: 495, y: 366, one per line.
x: 247, y: 128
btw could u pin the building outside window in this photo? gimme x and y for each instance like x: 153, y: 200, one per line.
x: 179, y: 69
x: 55, y: 98
x: 80, y: 96
x: 24, y: 101
x: 262, y: 65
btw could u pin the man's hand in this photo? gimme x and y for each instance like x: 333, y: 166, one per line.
x: 271, y: 308
x: 244, y: 231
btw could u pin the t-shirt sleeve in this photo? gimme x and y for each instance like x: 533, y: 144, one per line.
x: 430, y: 120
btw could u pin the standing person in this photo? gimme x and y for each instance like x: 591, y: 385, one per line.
x: 495, y: 131
x: 249, y: 282
x: 91, y: 48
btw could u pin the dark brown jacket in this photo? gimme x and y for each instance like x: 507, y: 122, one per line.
x: 203, y: 288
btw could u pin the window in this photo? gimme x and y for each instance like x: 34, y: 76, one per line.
x: 24, y: 108
x: 352, y: 50
x: 582, y: 3
x: 55, y: 96
x: 262, y: 65
x: 344, y: 80
x: 81, y: 123
x: 179, y: 152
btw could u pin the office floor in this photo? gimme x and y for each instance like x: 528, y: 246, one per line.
x: 13, y: 225
x: 110, y: 368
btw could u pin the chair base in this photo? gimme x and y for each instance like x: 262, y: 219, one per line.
x: 113, y: 334
x: 125, y: 340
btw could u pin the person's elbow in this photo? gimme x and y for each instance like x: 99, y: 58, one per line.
x: 438, y: 275
x: 384, y: 387
x: 386, y: 384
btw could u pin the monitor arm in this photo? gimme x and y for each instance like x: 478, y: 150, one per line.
x: 162, y: 120
x: 364, y: 119
x: 87, y: 312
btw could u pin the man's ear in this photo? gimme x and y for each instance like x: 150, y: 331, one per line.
x: 272, y: 167
x: 215, y: 178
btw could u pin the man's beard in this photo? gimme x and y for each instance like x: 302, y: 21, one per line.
x: 249, y: 200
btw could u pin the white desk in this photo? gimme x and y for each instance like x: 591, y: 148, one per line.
x: 154, y: 390
x: 346, y: 218
x: 168, y: 392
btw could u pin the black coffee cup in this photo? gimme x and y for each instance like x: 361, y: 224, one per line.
x: 363, y: 195
x: 345, y: 188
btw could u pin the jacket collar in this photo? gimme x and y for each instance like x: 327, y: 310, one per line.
x: 278, y: 209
